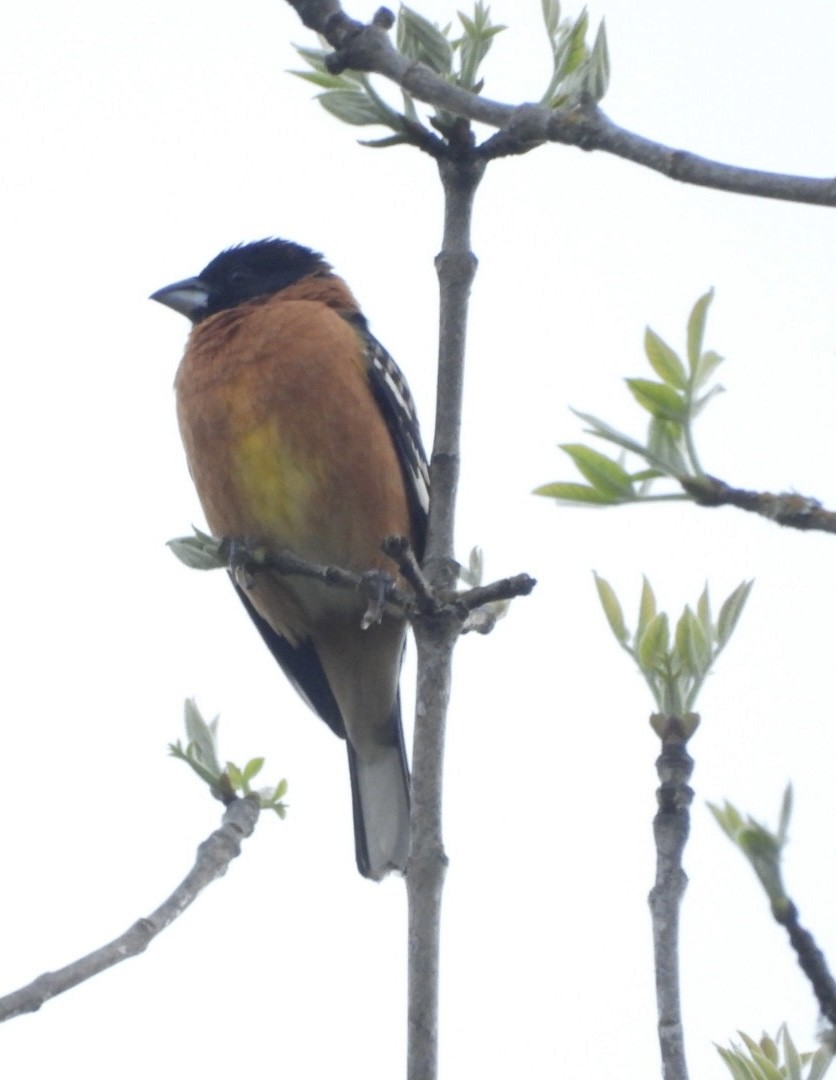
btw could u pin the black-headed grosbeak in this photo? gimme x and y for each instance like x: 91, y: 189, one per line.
x: 301, y: 435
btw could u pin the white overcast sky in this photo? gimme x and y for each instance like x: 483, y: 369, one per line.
x: 141, y: 139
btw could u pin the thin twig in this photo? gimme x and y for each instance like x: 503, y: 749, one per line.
x: 670, y: 830
x: 213, y: 858
x: 504, y: 589
x: 399, y: 550
x: 246, y: 563
x: 786, y: 508
x: 811, y: 959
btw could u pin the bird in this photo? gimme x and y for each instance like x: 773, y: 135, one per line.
x: 301, y: 435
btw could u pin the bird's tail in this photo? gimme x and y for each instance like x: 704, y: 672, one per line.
x: 380, y: 799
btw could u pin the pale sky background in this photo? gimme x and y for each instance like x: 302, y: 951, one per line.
x: 140, y: 140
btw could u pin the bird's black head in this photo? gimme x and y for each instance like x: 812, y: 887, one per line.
x: 239, y: 274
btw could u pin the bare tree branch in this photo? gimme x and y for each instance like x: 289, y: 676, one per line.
x: 523, y: 127
x: 786, y: 508
x: 213, y: 858
x: 588, y: 128
x: 436, y: 635
x: 670, y: 829
x: 504, y: 589
x: 811, y: 959
x: 244, y: 561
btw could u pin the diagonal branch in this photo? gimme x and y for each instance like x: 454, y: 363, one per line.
x: 213, y: 858
x: 588, y: 128
x: 523, y: 127
x: 810, y: 958
x: 786, y: 508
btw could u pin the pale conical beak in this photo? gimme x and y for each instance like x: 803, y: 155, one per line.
x: 188, y: 297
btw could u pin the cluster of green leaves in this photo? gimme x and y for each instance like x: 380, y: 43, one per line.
x: 674, y: 667
x: 351, y: 97
x: 674, y: 402
x: 201, y: 755
x: 579, y: 72
x: 760, y: 845
x: 775, y: 1059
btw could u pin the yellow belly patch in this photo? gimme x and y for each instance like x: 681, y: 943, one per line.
x: 275, y: 491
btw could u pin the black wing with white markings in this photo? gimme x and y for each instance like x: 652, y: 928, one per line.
x: 397, y: 407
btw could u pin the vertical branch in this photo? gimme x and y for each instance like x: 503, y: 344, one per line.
x: 670, y: 829
x: 427, y: 860
x: 456, y: 268
x: 436, y: 635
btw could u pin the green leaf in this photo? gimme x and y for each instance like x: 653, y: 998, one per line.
x: 704, y: 614
x: 419, y: 39
x: 664, y: 360
x: 598, y: 66
x: 692, y: 646
x: 729, y: 819
x: 575, y: 493
x: 252, y: 768
x: 731, y: 611
x: 652, y: 648
x: 352, y: 107
x: 763, y: 851
x: 659, y: 399
x: 696, y: 329
x: 474, y: 45
x: 785, y: 815
x: 208, y: 777
x: 820, y: 1062
x: 792, y: 1057
x: 751, y: 1045
x: 612, y: 609
x: 201, y: 737
x: 551, y: 16
x: 235, y: 777
x: 699, y: 404
x: 708, y: 364
x: 737, y: 1065
x: 606, y: 475
x: 664, y: 443
x: 576, y: 49
x: 322, y: 78
x: 474, y: 573
x: 200, y: 552
x: 644, y: 475
x: 579, y: 73
x: 314, y: 57
x: 604, y: 431
x: 647, y: 608
x: 569, y: 52
x: 768, y: 1070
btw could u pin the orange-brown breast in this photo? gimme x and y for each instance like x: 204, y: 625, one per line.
x: 284, y: 439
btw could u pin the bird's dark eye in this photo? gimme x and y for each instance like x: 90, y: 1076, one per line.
x: 240, y: 276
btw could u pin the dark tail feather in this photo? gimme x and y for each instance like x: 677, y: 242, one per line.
x: 380, y: 799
